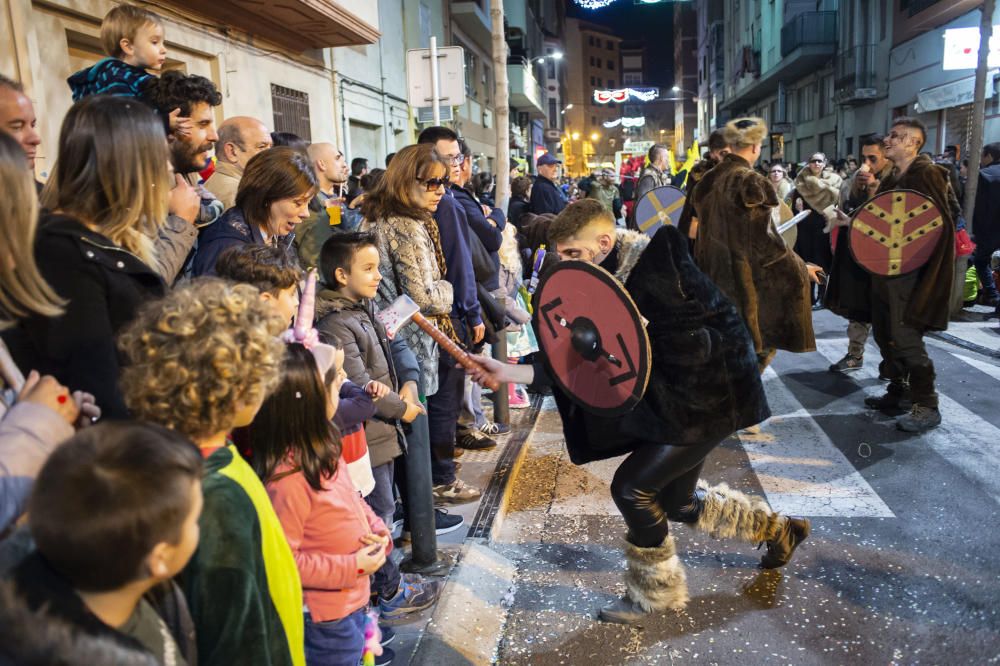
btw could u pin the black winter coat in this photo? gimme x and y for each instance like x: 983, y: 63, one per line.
x: 705, y: 383
x: 104, y: 285
x: 546, y: 197
x: 43, y: 589
x: 986, y: 218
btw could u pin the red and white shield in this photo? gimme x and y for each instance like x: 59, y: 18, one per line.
x: 896, y: 232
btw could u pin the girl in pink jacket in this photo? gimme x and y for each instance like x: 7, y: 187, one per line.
x: 336, y: 539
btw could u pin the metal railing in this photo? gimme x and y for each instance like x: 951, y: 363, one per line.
x: 857, y: 67
x: 808, y: 28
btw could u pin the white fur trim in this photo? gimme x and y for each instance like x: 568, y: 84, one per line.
x: 655, y: 579
x: 630, y: 247
x: 728, y: 513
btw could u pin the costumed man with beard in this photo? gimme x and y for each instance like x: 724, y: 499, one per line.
x: 904, y: 307
x: 653, y: 175
x: 849, y: 294
x: 739, y: 248
x: 717, y: 149
x: 703, y: 385
x: 819, y: 187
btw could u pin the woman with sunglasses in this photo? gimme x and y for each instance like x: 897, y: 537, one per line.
x: 400, y: 210
x: 819, y: 187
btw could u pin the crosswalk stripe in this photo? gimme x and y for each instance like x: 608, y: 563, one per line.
x: 800, y: 469
x: 963, y: 439
x: 988, y: 368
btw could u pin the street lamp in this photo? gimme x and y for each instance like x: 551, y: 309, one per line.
x: 678, y: 89
x: 595, y: 136
x: 567, y: 108
x: 576, y: 136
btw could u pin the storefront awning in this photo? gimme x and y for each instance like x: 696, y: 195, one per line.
x: 952, y: 94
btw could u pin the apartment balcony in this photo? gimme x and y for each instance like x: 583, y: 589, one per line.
x: 808, y: 42
x: 857, y: 78
x: 473, y: 17
x: 298, y: 25
x: 525, y: 92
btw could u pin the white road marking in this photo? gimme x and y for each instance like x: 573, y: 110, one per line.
x: 963, y: 439
x: 979, y: 364
x: 800, y: 469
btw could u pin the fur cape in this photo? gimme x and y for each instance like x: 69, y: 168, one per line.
x: 704, y: 382
x: 819, y: 192
x: 929, y: 303
x: 739, y: 249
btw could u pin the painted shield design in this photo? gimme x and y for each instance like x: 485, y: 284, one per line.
x: 896, y: 232
x: 593, y: 337
x: 659, y: 206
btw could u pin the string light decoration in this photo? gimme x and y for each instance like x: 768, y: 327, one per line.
x: 594, y: 4
x: 622, y: 95
x: 638, y: 121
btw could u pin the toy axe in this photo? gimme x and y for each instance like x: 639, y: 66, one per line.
x: 403, y: 310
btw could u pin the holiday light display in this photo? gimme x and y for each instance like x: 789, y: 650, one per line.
x: 626, y: 122
x: 622, y: 95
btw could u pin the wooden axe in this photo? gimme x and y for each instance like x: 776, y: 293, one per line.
x: 403, y: 310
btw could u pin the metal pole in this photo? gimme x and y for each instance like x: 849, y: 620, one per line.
x: 978, y: 111
x: 500, y: 397
x: 420, y: 502
x: 435, y: 84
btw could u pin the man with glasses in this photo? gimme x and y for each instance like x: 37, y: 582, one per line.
x: 850, y: 296
x: 240, y: 138
x: 904, y: 307
x: 546, y: 197
x: 443, y: 407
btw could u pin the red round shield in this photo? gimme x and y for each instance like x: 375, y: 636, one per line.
x: 593, y: 337
x: 896, y: 232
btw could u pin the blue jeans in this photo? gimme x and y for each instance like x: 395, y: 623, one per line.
x: 385, y: 581
x: 337, y: 642
x: 442, y: 413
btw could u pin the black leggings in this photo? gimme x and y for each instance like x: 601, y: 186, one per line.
x: 656, y: 483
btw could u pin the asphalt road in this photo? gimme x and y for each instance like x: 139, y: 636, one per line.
x: 902, y: 567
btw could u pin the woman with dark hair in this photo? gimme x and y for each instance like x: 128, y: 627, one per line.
x: 400, y: 210
x: 272, y: 199
x: 104, y: 204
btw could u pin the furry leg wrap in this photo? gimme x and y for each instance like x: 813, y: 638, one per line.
x: 728, y: 513
x: 655, y: 578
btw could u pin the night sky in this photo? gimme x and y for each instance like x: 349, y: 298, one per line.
x: 652, y: 24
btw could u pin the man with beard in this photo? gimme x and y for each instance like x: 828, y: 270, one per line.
x: 851, y: 283
x: 195, y: 96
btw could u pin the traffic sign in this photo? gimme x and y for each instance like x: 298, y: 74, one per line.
x: 451, y: 77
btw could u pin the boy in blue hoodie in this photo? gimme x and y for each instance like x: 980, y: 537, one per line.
x: 133, y: 39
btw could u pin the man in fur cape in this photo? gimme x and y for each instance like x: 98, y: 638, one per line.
x: 903, y: 308
x: 717, y: 149
x: 739, y: 249
x: 704, y: 385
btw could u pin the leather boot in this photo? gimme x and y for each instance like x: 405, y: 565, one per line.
x: 728, y: 513
x: 925, y: 414
x: 895, y: 398
x: 654, y: 581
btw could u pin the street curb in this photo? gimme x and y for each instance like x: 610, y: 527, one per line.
x: 468, y: 620
x: 964, y: 344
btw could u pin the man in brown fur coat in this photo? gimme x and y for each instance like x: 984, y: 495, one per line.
x: 739, y: 248
x: 904, y: 307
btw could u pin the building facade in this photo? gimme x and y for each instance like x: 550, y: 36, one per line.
x: 593, y: 62
x: 270, y: 61
x: 685, y: 89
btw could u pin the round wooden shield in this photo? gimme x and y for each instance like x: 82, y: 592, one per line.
x: 659, y: 206
x: 896, y: 232
x: 593, y: 337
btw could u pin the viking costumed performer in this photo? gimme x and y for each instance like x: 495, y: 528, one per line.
x: 739, y: 248
x: 717, y: 149
x: 904, y: 307
x: 703, y: 385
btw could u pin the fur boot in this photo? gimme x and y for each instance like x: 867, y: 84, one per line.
x: 654, y: 581
x: 729, y: 514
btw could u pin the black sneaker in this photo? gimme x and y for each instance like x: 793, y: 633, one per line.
x: 444, y: 523
x: 385, y: 658
x: 848, y: 363
x: 388, y: 634
x: 397, y: 517
x: 474, y: 440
